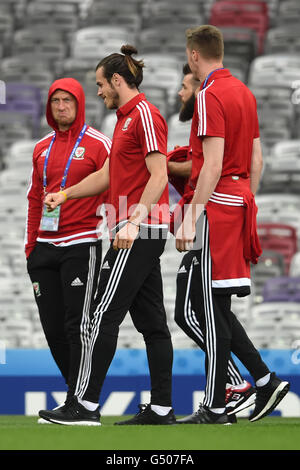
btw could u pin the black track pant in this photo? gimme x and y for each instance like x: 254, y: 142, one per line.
x: 223, y: 334
x: 130, y: 280
x: 64, y: 281
x: 189, y: 308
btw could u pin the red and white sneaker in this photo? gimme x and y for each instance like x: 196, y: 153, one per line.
x: 239, y: 397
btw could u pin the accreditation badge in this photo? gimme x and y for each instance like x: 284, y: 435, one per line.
x: 50, y: 220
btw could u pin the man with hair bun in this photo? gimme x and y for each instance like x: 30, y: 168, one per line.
x: 130, y: 277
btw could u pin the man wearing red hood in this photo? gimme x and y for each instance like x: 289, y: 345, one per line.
x: 64, y: 251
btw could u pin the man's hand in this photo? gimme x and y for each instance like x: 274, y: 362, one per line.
x: 52, y: 200
x: 185, y: 235
x: 125, y: 237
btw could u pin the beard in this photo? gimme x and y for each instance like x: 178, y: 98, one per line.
x: 187, y: 109
x: 112, y: 101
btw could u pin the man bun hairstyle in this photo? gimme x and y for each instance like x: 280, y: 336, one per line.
x: 125, y: 65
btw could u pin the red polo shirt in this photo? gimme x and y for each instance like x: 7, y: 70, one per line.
x: 140, y: 130
x: 227, y: 108
x: 195, y: 149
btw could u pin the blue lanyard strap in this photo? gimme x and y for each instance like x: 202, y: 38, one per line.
x: 64, y: 179
x: 206, y: 80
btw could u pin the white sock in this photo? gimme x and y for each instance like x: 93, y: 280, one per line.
x: 219, y: 411
x: 89, y: 405
x: 263, y: 381
x: 161, y: 410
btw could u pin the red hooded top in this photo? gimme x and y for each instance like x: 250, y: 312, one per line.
x: 78, y: 219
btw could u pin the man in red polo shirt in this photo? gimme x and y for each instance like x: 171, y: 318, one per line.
x: 130, y: 278
x: 188, y: 304
x: 228, y: 138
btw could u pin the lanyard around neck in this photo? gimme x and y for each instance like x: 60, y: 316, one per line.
x: 64, y: 179
x: 207, y: 78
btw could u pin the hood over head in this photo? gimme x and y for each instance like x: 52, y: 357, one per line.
x: 74, y: 87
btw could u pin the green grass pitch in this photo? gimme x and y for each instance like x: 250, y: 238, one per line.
x: 271, y: 433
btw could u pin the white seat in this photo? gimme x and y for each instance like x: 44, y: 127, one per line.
x: 289, y: 12
x: 108, y: 124
x: 286, y: 149
x: 277, y: 68
x: 295, y: 265
x: 283, y: 39
x: 101, y: 33
x: 278, y: 202
x: 275, y: 311
x: 92, y: 42
x: 241, y: 307
x: 179, y: 132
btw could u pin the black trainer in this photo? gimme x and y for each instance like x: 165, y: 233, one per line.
x: 205, y: 416
x: 71, y: 414
x: 268, y: 397
x: 239, y: 397
x: 147, y: 416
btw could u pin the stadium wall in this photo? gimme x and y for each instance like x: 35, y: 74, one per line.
x: 30, y: 381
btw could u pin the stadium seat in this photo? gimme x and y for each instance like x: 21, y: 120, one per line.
x: 76, y: 68
x: 248, y: 14
x: 157, y: 61
x: 241, y: 307
x: 111, y: 15
x: 42, y: 41
x: 289, y: 12
x: 279, y: 237
x: 275, y: 204
x: 44, y: 127
x: 20, y: 155
x: 274, y: 101
x: 101, y: 36
x: 63, y: 16
x: 295, y: 265
x: 23, y: 99
x: 179, y: 132
x: 158, y: 96
x: 262, y: 334
x: 282, y: 289
x: 273, y: 132
x: 15, y: 67
x: 108, y: 124
x: 47, y: 44
x: 287, y: 149
x: 275, y: 311
x: 279, y: 322
x: 278, y: 69
x: 165, y: 73
x: 6, y: 27
x: 283, y: 168
x: 271, y: 264
x: 283, y: 39
x: 179, y: 15
x: 239, y: 42
x: 163, y: 7
x: 238, y: 66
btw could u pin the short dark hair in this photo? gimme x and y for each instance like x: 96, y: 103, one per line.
x: 123, y: 64
x: 186, y: 69
x: 206, y: 39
